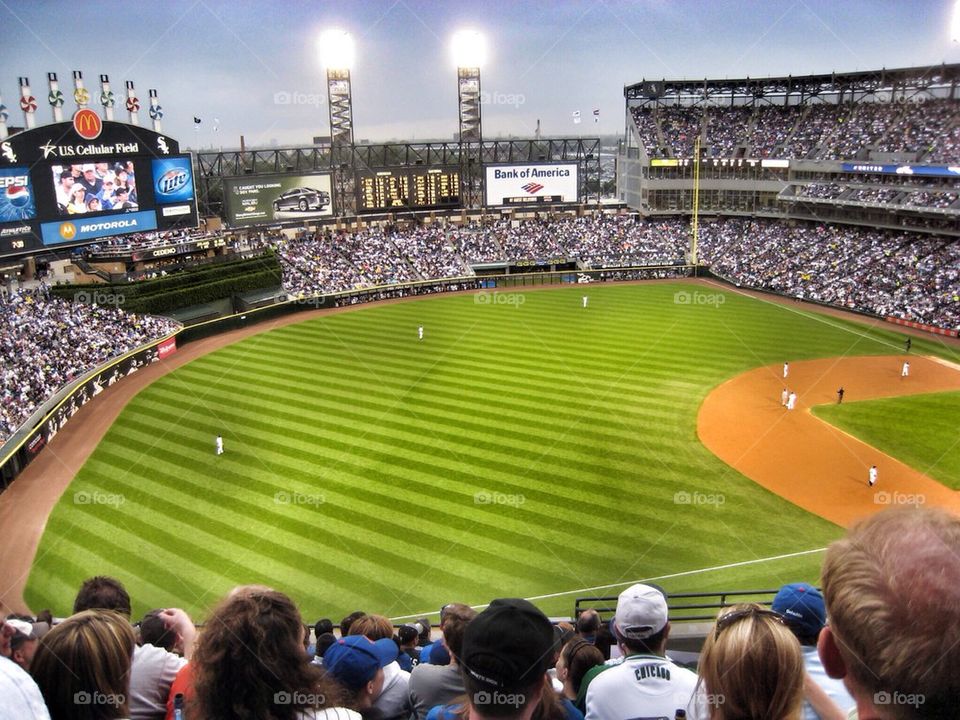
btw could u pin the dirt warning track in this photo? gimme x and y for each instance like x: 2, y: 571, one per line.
x: 808, y: 461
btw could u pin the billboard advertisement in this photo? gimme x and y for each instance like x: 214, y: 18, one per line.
x: 16, y: 202
x: 531, y: 183
x: 268, y: 199
x: 73, y: 182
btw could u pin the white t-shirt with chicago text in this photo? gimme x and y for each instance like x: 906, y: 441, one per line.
x: 642, y: 686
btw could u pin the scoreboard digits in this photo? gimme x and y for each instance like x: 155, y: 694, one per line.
x: 384, y: 191
x: 409, y: 189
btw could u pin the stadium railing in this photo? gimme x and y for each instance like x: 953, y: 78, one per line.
x: 684, y: 607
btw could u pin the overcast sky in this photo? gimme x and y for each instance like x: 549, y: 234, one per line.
x: 252, y: 68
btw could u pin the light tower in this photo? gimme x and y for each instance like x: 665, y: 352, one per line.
x: 336, y: 54
x: 336, y: 57
x: 469, y: 54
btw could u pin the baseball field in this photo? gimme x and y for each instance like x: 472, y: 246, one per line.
x: 526, y: 446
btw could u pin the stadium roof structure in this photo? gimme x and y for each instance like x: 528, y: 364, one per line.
x: 903, y: 84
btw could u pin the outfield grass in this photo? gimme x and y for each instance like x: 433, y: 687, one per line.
x: 920, y: 430
x: 358, y: 459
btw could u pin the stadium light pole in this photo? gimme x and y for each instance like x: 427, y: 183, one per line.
x: 336, y: 55
x: 470, y: 53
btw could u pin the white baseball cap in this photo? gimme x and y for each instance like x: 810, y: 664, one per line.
x: 641, y: 612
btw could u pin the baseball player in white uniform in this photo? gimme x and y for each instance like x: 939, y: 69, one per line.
x: 420, y: 332
x: 905, y: 370
x: 792, y: 401
x: 873, y: 476
x: 219, y: 443
x: 786, y: 369
x: 784, y: 396
x: 585, y: 299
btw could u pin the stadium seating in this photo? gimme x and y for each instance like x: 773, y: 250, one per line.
x: 930, y: 131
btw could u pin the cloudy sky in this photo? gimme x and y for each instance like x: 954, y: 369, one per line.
x: 252, y: 68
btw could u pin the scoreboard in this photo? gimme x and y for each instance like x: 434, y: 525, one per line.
x: 70, y: 183
x: 398, y: 189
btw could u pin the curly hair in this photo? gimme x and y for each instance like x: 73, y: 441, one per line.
x: 250, y: 662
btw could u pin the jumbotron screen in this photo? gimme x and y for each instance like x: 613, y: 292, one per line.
x: 399, y: 189
x: 72, y: 183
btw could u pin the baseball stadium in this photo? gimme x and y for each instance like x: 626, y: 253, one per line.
x: 394, y: 376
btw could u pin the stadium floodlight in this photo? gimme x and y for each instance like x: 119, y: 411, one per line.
x: 336, y: 49
x: 469, y: 52
x: 955, y: 22
x: 469, y: 49
x: 336, y: 55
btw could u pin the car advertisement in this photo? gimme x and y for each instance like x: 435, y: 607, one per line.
x: 271, y: 199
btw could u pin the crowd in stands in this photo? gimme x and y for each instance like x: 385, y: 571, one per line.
x: 45, y: 342
x: 929, y: 131
x: 883, y: 272
x: 883, y: 193
x: 891, y: 587
x: 914, y: 277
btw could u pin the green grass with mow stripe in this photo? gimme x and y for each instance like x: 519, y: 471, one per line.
x: 920, y: 430
x: 521, y: 449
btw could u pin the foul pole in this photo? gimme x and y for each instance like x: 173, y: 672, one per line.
x: 696, y: 202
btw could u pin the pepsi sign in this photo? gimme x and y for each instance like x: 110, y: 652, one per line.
x: 16, y: 198
x: 172, y: 179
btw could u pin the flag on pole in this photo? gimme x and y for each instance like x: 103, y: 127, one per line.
x: 196, y: 120
x: 576, y: 117
x: 596, y: 115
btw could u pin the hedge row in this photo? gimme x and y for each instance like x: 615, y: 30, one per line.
x: 159, y: 303
x: 195, y: 287
x: 176, y: 281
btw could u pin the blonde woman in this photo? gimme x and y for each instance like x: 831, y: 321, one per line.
x: 82, y: 666
x: 751, y: 667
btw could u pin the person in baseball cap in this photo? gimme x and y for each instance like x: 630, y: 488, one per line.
x: 506, y: 652
x: 641, y: 613
x: 23, y: 643
x: 804, y: 611
x: 802, y: 606
x: 357, y: 663
x: 646, y: 683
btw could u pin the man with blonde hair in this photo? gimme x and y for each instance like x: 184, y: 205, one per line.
x: 892, y: 589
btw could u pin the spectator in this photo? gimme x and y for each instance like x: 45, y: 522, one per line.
x: 82, y: 667
x: 432, y: 684
x: 154, y: 631
x: 802, y: 608
x: 23, y: 644
x: 349, y: 620
x: 250, y: 663
x: 892, y: 591
x: 393, y: 700
x: 506, y: 651
x: 153, y: 669
x: 751, y: 667
x: 20, y: 698
x: 407, y: 637
x: 645, y: 683
x: 356, y: 663
x: 576, y: 658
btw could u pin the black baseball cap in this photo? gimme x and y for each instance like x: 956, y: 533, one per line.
x: 508, y: 646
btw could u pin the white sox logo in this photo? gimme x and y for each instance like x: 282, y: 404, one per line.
x: 8, y: 152
x: 162, y: 144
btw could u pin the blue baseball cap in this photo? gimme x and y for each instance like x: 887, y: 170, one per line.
x: 353, y: 661
x: 802, y: 606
